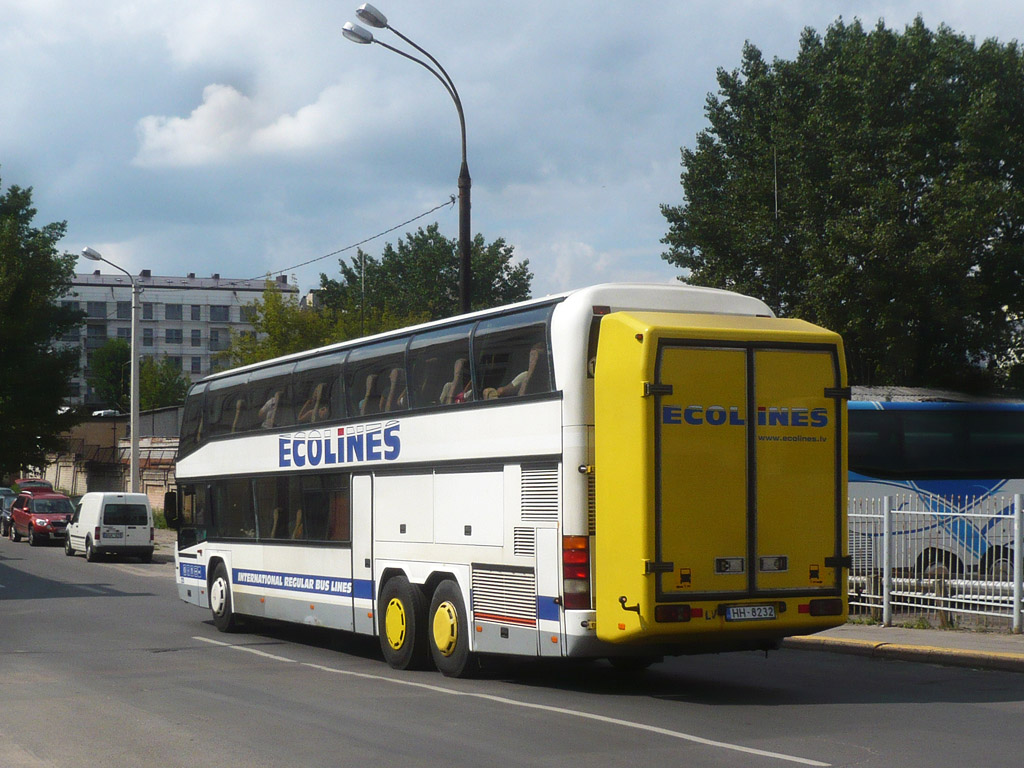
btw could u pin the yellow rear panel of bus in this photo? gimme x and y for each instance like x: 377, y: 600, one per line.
x: 720, y: 479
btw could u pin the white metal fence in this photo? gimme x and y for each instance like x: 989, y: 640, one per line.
x: 952, y: 556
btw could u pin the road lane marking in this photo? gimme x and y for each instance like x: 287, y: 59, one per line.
x: 529, y: 705
x: 247, y: 649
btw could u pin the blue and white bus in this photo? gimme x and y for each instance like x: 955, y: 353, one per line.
x: 623, y: 471
x: 951, y: 469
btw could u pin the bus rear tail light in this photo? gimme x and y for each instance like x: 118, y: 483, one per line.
x: 830, y: 607
x: 152, y: 535
x: 575, y: 573
x: 96, y: 534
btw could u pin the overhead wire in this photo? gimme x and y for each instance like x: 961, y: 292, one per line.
x: 450, y: 202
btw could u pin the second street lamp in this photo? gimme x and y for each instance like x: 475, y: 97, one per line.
x: 370, y: 15
x: 133, y: 418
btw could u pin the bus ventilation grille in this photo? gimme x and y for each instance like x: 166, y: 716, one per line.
x: 539, y: 498
x: 524, y: 542
x: 505, y: 596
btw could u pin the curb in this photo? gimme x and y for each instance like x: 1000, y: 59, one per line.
x: 950, y: 657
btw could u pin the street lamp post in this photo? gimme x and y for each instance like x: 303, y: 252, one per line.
x: 371, y: 16
x: 133, y: 419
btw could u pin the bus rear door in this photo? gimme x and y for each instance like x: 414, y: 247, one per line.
x: 720, y: 473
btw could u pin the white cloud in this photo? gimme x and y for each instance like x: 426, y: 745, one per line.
x: 217, y: 130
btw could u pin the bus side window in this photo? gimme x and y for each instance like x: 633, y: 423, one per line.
x: 514, y: 363
x: 439, y: 366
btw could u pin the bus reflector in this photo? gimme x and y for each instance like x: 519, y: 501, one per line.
x: 667, y: 613
x: 830, y: 607
x: 575, y: 572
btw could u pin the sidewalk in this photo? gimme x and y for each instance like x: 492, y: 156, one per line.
x: 956, y: 648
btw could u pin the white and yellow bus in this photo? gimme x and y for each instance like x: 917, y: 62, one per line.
x: 622, y: 471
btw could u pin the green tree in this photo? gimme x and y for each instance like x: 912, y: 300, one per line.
x: 110, y: 374
x: 875, y: 185
x: 281, y: 327
x: 161, y: 383
x: 418, y: 280
x: 34, y: 275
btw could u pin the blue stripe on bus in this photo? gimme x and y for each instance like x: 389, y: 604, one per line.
x: 547, y: 608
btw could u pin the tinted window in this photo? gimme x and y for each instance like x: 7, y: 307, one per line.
x: 125, y: 514
x: 439, y: 366
x: 225, y: 407
x: 375, y: 378
x: 232, y: 510
x: 303, y: 508
x: 955, y: 443
x: 511, y: 355
x: 268, y: 400
x: 317, y: 394
x: 192, y: 421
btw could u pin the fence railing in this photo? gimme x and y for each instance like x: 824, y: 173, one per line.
x: 947, y: 555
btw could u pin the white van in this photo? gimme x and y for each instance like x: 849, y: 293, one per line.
x: 111, y: 523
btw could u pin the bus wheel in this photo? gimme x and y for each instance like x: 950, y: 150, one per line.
x: 224, y: 617
x: 449, y: 631
x: 68, y: 549
x: 401, y: 609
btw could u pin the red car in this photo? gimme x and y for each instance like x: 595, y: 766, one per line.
x: 41, y: 515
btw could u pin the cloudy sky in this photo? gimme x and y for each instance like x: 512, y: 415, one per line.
x: 246, y: 137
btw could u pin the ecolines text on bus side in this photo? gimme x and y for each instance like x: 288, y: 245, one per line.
x: 340, y: 445
x: 718, y: 415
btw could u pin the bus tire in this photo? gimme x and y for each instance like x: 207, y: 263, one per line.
x: 401, y: 609
x: 68, y: 549
x: 90, y: 551
x: 449, y: 632
x: 221, y: 604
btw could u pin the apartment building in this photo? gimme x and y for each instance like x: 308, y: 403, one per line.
x: 186, y: 319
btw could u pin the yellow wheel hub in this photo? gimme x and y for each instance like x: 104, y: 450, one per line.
x: 395, y: 623
x: 446, y: 628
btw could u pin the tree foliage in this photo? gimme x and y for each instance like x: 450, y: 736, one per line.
x: 36, y: 377
x: 161, y: 383
x: 418, y: 280
x: 875, y: 185
x: 110, y: 374
x: 281, y: 327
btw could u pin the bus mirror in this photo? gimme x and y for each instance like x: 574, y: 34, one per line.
x: 171, y: 510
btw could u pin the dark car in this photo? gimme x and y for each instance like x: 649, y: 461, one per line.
x: 40, y: 515
x: 7, y: 497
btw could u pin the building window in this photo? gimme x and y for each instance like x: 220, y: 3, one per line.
x: 197, y: 338
x: 247, y: 313
x: 175, y: 362
x: 219, y: 313
x: 218, y: 339
x: 147, y: 310
x: 147, y: 337
x: 69, y: 304
x: 196, y: 313
x: 124, y: 333
x: 96, y: 309
x: 197, y: 365
x: 172, y: 335
x: 172, y: 311
x: 124, y: 310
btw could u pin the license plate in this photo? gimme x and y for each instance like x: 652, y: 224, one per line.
x: 749, y: 612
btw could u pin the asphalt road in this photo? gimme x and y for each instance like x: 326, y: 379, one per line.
x: 102, y: 665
